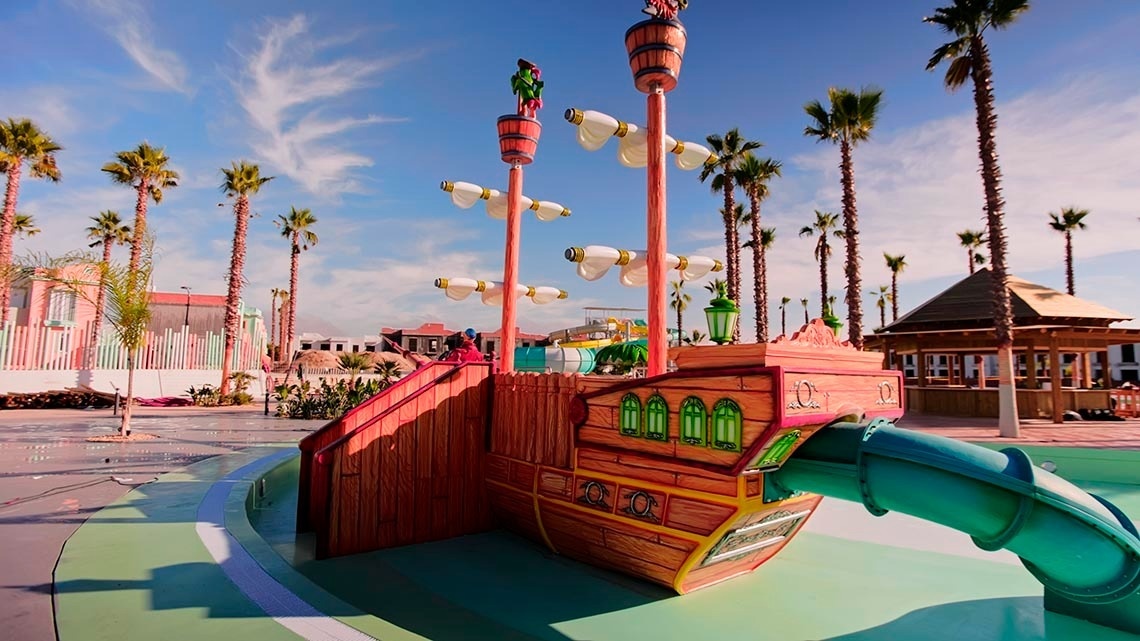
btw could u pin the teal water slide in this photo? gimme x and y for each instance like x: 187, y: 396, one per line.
x: 1083, y: 549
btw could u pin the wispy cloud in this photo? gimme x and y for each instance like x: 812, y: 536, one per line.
x: 129, y: 23
x: 283, y: 77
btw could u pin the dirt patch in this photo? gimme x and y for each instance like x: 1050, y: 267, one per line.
x: 115, y: 438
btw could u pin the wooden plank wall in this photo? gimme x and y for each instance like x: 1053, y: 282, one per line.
x: 416, y: 474
x: 531, y: 418
x: 311, y: 503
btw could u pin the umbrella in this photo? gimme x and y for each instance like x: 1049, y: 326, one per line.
x: 627, y: 353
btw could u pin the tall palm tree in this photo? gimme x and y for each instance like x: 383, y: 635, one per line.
x: 883, y: 295
x: 145, y: 169
x: 753, y: 175
x: 784, y: 315
x: 298, y: 228
x: 896, y: 264
x: 389, y: 373
x: 275, y: 293
x: 24, y: 226
x: 804, y: 302
x: 107, y: 232
x: 1070, y: 219
x: 848, y: 122
x: 825, y: 224
x: 21, y: 142
x: 972, y: 240
x: 282, y: 315
x: 679, y: 300
x: 242, y: 180
x: 730, y: 150
x: 969, y: 58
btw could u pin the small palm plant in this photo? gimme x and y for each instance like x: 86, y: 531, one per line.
x: 389, y: 373
x: 354, y: 362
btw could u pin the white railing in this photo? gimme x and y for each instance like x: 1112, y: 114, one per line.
x: 68, y: 348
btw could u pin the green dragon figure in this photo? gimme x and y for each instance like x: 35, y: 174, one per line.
x: 527, y: 86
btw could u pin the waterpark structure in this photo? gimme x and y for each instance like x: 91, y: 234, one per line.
x: 692, y: 477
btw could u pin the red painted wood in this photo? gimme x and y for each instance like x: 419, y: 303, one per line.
x: 511, y: 268
x: 655, y: 134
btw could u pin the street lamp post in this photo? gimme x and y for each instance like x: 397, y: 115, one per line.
x: 187, y: 321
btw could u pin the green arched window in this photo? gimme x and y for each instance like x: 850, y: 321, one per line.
x: 630, y: 419
x: 727, y: 424
x: 656, y: 418
x: 780, y: 449
x: 694, y: 419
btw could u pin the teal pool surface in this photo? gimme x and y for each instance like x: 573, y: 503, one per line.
x: 851, y: 576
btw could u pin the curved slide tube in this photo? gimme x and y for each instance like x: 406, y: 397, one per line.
x: 1082, y: 548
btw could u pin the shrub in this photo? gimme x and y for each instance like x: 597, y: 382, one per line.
x: 327, y: 402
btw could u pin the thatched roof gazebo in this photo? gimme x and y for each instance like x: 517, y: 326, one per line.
x: 958, y: 323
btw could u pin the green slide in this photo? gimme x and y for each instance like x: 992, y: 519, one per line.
x: 1082, y: 548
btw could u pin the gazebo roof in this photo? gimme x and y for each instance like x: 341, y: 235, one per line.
x: 967, y: 305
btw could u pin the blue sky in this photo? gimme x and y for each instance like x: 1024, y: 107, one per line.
x: 361, y: 109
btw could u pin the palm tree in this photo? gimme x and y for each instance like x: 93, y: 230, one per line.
x: 282, y: 314
x: 767, y: 237
x: 969, y: 57
x: 883, y: 295
x: 389, y: 373
x: 276, y: 293
x: 145, y: 169
x: 242, y: 181
x: 972, y: 240
x: 825, y: 223
x: 1069, y: 219
x: 896, y: 264
x: 297, y: 227
x: 784, y: 315
x: 730, y: 151
x: 107, y: 232
x: 753, y: 175
x: 804, y: 302
x: 695, y: 337
x: 354, y: 362
x: 21, y: 141
x: 24, y: 225
x: 679, y: 300
x: 848, y: 122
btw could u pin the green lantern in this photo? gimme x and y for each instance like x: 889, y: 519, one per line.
x: 722, y: 315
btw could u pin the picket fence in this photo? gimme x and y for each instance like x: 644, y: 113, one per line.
x: 68, y: 348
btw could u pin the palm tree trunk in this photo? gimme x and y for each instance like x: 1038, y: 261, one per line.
x: 757, y: 272
x: 894, y: 296
x: 7, y: 221
x: 783, y: 320
x: 100, y: 301
x: 822, y: 283
x: 140, y: 226
x: 732, y: 245
x: 679, y: 319
x: 982, y: 76
x: 851, y: 235
x: 764, y: 292
x: 970, y: 257
x: 1069, y: 281
x: 273, y: 329
x: 805, y: 315
x: 233, y: 296
x: 294, y: 267
x: 125, y: 421
x: 283, y: 316
x: 883, y: 315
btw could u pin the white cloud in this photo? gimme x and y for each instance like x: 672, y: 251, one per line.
x: 281, y: 78
x: 51, y: 108
x: 129, y: 23
x: 1061, y: 145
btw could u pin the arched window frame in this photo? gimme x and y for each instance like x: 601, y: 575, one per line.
x: 657, y: 418
x: 629, y: 415
x: 727, y: 425
x: 694, y: 422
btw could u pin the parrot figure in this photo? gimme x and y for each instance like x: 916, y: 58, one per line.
x: 665, y: 9
x: 526, y: 84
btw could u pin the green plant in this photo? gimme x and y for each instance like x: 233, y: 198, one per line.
x: 327, y: 402
x: 205, y: 396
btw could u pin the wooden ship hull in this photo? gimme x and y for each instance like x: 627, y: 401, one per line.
x: 664, y: 478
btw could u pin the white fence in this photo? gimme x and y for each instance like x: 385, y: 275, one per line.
x: 68, y: 348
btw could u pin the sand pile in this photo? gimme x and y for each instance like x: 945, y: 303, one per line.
x: 318, y: 359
